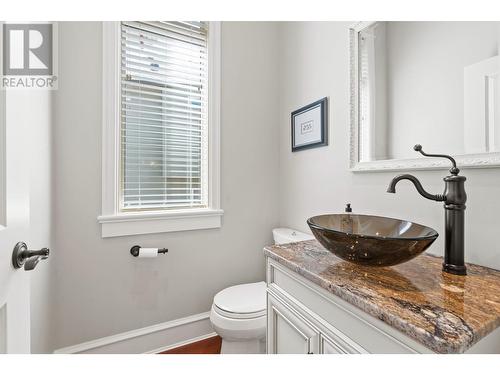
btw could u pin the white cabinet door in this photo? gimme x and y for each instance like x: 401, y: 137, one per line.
x: 328, y: 346
x: 288, y: 332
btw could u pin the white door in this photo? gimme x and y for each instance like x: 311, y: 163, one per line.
x: 288, y: 332
x: 16, y: 122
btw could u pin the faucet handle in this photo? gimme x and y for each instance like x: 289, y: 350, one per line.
x: 454, y: 170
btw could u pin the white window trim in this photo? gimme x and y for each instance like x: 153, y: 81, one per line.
x: 115, y: 223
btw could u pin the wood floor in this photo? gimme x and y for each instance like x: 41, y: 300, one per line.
x: 208, y: 346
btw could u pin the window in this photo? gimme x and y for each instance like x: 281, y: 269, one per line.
x: 164, y: 115
x: 160, y: 127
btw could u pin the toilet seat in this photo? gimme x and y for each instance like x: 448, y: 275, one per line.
x: 245, y: 301
x: 238, y: 314
x: 232, y: 315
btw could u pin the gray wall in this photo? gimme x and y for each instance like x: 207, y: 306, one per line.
x: 102, y: 290
x: 315, y: 63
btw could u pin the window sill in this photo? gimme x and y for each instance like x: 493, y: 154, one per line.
x: 128, y: 224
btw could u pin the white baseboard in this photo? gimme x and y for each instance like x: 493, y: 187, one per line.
x: 152, y: 339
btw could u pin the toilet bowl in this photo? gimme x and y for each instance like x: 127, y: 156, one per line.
x: 238, y: 313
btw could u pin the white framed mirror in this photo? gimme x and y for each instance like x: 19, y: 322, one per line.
x: 431, y: 83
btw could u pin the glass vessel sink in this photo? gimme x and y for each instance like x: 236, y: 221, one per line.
x: 371, y: 240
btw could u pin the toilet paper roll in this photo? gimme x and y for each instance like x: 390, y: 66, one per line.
x: 148, y: 252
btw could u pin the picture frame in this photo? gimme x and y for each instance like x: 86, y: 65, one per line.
x: 310, y: 126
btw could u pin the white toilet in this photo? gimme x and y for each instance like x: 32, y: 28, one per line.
x: 238, y: 313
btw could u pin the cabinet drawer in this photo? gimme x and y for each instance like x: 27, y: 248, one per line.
x: 368, y: 332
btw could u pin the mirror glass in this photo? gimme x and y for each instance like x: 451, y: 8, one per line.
x: 432, y: 83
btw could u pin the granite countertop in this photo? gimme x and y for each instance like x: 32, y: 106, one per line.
x: 444, y: 312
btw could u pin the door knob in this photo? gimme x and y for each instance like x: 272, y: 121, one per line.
x: 29, y: 258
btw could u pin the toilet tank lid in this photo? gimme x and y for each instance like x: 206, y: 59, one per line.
x: 243, y: 298
x: 291, y: 234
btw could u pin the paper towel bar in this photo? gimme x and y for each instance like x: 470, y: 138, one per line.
x: 134, y: 250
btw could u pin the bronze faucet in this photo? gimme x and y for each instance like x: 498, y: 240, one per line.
x: 454, y: 198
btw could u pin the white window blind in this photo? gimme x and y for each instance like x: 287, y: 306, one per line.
x: 164, y: 105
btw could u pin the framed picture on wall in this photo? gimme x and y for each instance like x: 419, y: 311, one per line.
x: 310, y: 126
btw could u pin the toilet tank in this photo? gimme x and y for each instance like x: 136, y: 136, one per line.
x: 287, y: 235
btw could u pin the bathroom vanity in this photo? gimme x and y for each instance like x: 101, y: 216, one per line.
x: 320, y: 304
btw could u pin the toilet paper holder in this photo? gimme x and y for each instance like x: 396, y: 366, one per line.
x: 134, y: 250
